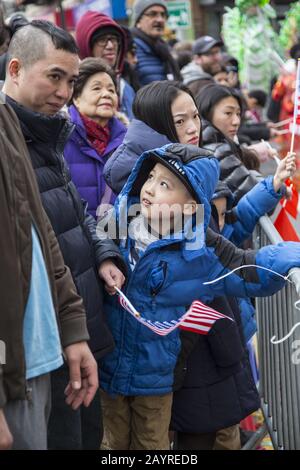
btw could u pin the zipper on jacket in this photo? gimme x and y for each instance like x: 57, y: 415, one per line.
x: 164, y: 265
x: 63, y: 171
x: 63, y: 137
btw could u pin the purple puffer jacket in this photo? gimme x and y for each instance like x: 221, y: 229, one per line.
x: 86, y: 165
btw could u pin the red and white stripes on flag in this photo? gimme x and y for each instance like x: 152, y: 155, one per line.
x: 199, y: 318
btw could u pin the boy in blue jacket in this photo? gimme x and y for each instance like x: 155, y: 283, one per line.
x: 167, y: 269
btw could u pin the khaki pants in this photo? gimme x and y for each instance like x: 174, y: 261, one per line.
x: 228, y: 438
x: 136, y: 423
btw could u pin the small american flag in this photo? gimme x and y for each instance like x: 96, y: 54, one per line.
x: 199, y: 318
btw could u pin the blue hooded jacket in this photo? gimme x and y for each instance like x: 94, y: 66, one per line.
x: 170, y: 275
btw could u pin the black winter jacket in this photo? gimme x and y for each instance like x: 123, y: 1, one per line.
x: 232, y: 170
x: 74, y: 228
x: 20, y: 207
x: 217, y: 389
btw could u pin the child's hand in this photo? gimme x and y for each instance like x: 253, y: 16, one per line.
x: 111, y: 275
x: 286, y: 168
x: 272, y: 153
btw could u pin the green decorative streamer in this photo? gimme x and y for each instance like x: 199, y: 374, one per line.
x: 244, y: 5
x: 249, y: 37
x: 290, y: 27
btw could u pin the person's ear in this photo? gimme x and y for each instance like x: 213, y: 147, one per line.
x: 190, y: 207
x: 197, y: 59
x: 14, y: 68
x: 76, y: 102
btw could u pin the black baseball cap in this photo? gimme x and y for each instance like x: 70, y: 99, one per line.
x: 203, y: 44
x: 173, y: 164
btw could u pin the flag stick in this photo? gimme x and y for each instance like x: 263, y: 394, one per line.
x: 283, y: 131
x: 277, y: 160
x: 296, y: 105
x: 282, y: 123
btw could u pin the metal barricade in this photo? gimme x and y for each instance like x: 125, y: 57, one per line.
x: 279, y: 364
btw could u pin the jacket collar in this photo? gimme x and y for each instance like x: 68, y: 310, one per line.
x: 117, y: 129
x: 142, y: 137
x: 192, y: 72
x: 53, y: 130
x: 210, y: 134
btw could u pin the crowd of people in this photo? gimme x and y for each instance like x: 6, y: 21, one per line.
x: 127, y: 164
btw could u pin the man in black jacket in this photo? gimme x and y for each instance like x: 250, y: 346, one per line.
x: 42, y: 67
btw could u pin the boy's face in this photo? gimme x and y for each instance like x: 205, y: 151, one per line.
x: 164, y: 198
x: 221, y: 78
x: 221, y: 206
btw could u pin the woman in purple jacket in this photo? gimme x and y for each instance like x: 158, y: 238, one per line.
x: 97, y: 132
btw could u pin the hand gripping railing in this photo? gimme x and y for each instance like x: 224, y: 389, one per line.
x: 279, y: 364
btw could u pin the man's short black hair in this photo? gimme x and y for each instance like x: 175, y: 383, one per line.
x: 60, y: 38
x: 29, y: 42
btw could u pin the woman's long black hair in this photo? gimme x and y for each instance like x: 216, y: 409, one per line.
x: 207, y: 99
x: 152, y: 105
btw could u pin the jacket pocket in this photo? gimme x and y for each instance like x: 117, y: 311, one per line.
x: 157, y: 277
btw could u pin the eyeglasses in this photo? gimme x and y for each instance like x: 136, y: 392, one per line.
x: 103, y: 40
x: 156, y: 14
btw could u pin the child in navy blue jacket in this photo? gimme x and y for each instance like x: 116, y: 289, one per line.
x: 237, y: 225
x: 168, y: 264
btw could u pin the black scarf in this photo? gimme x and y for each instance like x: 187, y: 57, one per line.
x: 161, y: 49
